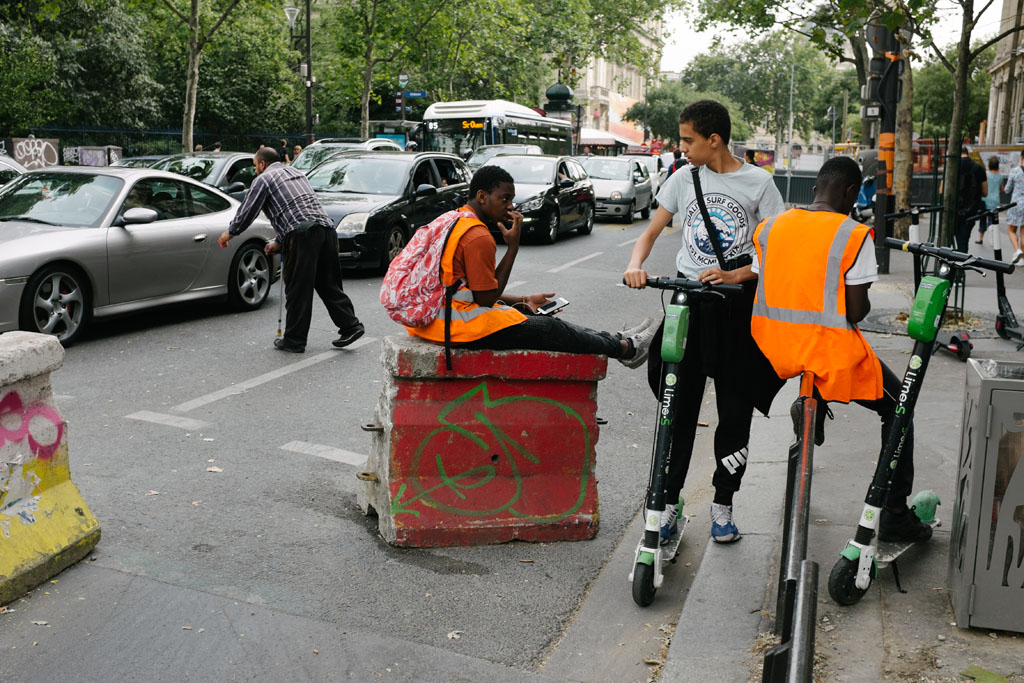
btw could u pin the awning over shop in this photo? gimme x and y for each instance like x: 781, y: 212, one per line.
x: 593, y: 136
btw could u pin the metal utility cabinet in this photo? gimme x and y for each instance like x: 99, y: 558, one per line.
x: 986, y: 551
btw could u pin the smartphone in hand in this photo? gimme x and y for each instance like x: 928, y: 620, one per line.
x: 553, y: 306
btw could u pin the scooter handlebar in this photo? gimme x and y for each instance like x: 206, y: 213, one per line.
x: 683, y: 284
x: 923, y: 249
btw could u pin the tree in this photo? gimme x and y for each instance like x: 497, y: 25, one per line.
x: 27, y: 67
x: 933, y: 107
x: 664, y: 103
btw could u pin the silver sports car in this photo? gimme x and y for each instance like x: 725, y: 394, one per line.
x: 78, y: 242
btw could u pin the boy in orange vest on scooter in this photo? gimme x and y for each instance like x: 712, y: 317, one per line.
x: 815, y: 266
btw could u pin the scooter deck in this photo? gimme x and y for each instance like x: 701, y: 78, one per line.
x: 889, y: 551
x: 670, y: 552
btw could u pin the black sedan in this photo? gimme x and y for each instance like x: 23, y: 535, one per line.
x: 379, y: 199
x: 554, y: 194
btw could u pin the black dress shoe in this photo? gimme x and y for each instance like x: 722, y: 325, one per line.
x: 348, y: 337
x: 282, y: 345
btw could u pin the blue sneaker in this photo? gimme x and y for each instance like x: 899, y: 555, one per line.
x: 669, y: 522
x: 723, y: 530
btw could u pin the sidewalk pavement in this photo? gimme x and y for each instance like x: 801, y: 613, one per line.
x: 887, y: 636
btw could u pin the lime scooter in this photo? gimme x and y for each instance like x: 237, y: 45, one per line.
x: 1007, y: 325
x: 651, y: 557
x: 858, y: 564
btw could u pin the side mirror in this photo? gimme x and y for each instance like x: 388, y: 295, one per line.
x: 233, y: 187
x: 425, y: 190
x: 139, y: 215
x: 566, y: 182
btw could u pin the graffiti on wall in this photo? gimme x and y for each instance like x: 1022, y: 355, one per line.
x: 33, y: 153
x: 40, y: 428
x: 472, y: 466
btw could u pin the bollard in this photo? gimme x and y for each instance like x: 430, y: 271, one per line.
x: 45, y: 525
x: 500, y: 448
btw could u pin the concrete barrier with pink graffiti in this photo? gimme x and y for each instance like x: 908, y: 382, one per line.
x: 45, y: 525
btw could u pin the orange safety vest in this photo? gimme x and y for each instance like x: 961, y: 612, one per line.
x: 470, y: 321
x: 799, y: 318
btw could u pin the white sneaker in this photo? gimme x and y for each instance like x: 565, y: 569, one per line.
x: 1017, y: 256
x: 723, y: 528
x: 642, y: 347
x: 669, y: 527
x: 633, y: 331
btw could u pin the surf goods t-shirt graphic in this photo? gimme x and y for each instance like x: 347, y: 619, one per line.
x: 736, y: 203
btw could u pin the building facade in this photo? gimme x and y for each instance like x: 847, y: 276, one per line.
x: 1006, y: 94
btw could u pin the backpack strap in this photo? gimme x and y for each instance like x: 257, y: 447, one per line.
x: 449, y: 291
x: 711, y: 229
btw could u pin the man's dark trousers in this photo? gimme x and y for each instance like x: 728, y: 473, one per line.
x: 311, y: 263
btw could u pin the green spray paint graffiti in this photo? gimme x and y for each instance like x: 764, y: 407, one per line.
x: 448, y: 459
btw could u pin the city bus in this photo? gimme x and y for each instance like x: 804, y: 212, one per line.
x: 460, y: 127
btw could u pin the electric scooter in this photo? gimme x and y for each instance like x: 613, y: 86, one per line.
x: 858, y: 563
x: 1007, y: 325
x: 651, y: 557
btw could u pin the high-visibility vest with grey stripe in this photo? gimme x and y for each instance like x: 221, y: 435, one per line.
x: 830, y: 316
x: 467, y: 314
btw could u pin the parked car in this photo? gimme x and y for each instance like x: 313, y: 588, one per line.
x: 83, y: 242
x: 320, y: 150
x: 554, y: 194
x: 139, y: 162
x: 9, y: 169
x: 622, y: 186
x: 379, y: 199
x: 655, y: 168
x: 486, y: 152
x: 230, y: 172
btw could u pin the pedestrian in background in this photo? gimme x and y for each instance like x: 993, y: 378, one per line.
x: 995, y: 184
x: 751, y: 157
x: 296, y: 151
x: 1015, y: 216
x: 972, y: 185
x: 216, y: 146
x: 309, y: 246
x: 199, y: 148
x: 282, y: 152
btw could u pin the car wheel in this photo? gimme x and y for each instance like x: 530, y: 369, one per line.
x: 587, y: 226
x: 551, y: 234
x: 249, y: 278
x: 394, y: 242
x: 645, y: 213
x: 630, y: 212
x: 56, y: 301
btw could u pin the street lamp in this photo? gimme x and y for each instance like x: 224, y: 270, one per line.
x: 832, y: 115
x: 306, y: 70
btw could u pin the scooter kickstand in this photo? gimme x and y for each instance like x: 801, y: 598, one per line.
x: 896, y: 576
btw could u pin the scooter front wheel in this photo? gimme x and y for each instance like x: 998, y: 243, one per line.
x: 643, y: 584
x: 842, y: 582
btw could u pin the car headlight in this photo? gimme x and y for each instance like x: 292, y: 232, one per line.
x: 354, y: 222
x: 615, y: 196
x: 531, y: 204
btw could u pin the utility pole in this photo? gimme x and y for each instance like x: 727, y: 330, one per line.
x: 1011, y: 82
x: 789, y: 161
x: 886, y: 62
x: 309, y: 75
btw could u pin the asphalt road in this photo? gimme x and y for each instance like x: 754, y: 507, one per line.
x: 190, y: 437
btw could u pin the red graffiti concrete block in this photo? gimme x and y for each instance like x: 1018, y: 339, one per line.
x: 500, y: 448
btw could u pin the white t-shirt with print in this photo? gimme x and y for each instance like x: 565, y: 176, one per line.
x: 736, y: 203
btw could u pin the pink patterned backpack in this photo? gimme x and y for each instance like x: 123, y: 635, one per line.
x: 413, y: 291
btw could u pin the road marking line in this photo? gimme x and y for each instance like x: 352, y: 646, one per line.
x: 513, y: 285
x: 328, y: 452
x: 169, y: 420
x: 267, y: 377
x: 570, y: 264
x: 622, y: 244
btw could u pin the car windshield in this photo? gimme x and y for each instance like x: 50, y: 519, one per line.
x: 361, y: 175
x: 607, y: 169
x: 482, y: 155
x: 197, y: 168
x: 314, y: 154
x: 79, y: 200
x: 527, y: 170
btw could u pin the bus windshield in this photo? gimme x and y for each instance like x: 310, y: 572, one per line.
x: 455, y: 136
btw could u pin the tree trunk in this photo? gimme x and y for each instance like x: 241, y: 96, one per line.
x: 956, y: 122
x: 904, y: 164
x: 191, y: 79
x: 364, y: 109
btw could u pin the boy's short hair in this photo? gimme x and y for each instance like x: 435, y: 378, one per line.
x: 487, y: 178
x: 993, y: 163
x: 677, y: 154
x: 839, y: 172
x: 707, y: 118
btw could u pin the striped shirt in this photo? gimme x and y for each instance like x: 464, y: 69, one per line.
x: 285, y: 196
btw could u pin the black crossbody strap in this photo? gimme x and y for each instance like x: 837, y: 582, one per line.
x: 708, y: 225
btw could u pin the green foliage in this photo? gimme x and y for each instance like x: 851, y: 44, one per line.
x: 664, y: 104
x: 27, y: 67
x: 933, y: 84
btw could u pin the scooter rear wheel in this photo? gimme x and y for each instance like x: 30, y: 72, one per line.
x: 842, y: 586
x: 643, y: 584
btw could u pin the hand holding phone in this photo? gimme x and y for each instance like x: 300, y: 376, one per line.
x: 553, y: 306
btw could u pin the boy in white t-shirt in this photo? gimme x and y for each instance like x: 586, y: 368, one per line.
x: 738, y: 196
